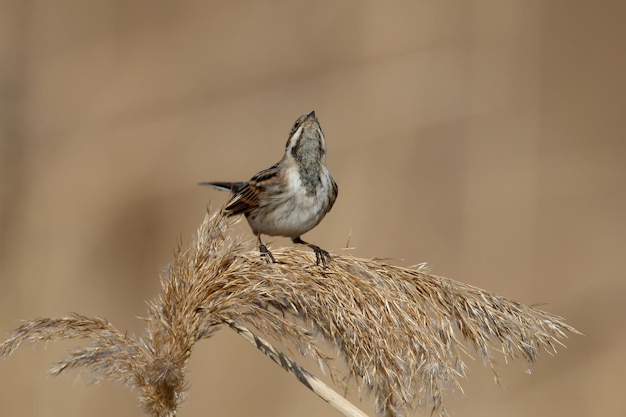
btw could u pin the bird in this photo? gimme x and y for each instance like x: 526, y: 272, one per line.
x: 292, y: 196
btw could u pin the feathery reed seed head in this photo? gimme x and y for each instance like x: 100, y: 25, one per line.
x: 399, y: 331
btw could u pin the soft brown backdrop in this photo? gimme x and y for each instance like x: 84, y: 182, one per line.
x: 485, y: 137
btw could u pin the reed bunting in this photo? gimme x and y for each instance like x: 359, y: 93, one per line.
x: 292, y: 196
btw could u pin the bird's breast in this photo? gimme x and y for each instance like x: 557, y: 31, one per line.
x: 296, y: 206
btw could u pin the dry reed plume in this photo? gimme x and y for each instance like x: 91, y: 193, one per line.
x: 399, y: 331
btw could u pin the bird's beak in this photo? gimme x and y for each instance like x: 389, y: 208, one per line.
x: 311, y: 115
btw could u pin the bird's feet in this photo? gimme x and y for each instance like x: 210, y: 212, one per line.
x: 266, y: 255
x: 321, y: 256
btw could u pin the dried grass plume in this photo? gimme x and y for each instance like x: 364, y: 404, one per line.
x: 400, y: 333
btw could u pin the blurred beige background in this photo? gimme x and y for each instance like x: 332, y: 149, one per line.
x: 484, y: 137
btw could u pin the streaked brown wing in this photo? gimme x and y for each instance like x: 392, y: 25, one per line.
x: 248, y: 197
x: 244, y: 201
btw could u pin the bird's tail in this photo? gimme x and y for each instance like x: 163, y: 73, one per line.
x: 225, y: 186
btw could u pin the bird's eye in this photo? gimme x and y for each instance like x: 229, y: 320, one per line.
x: 297, y: 124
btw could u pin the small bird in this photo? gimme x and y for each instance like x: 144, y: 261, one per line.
x: 292, y: 196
